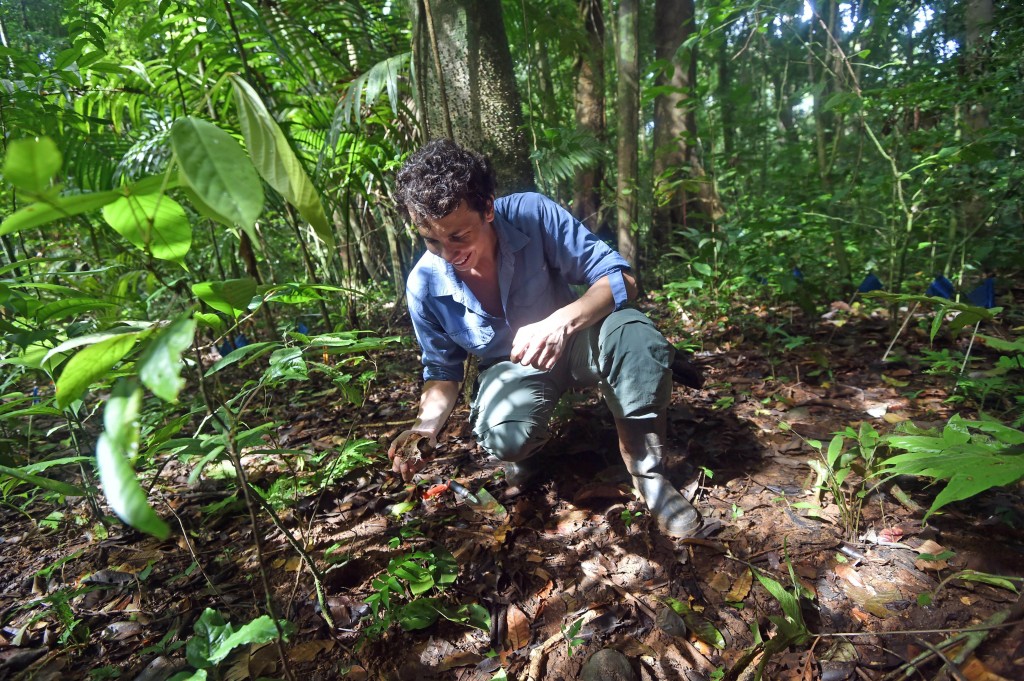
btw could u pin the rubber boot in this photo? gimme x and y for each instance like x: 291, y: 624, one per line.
x: 642, y: 442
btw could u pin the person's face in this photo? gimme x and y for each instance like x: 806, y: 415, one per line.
x: 464, y: 237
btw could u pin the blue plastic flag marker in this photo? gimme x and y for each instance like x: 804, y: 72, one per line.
x: 941, y: 287
x: 984, y: 294
x: 870, y: 283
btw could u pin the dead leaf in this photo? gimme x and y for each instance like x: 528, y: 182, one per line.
x: 306, y: 652
x: 568, y: 522
x: 518, y: 628
x: 894, y: 418
x: 720, y: 582
x: 462, y: 658
x: 598, y: 490
x: 934, y: 549
x: 740, y: 587
x: 849, y: 573
x: 975, y: 670
x: 891, y: 534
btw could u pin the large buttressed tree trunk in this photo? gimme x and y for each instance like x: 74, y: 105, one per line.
x: 467, y: 85
x: 628, y: 104
x: 685, y: 196
x: 590, y: 112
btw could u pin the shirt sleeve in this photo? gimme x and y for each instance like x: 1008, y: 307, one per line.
x: 578, y: 253
x: 442, y: 359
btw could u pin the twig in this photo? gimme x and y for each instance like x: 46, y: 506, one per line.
x: 191, y: 548
x: 950, y: 667
x: 904, y: 326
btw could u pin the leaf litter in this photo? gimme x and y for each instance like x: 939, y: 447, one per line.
x: 562, y: 571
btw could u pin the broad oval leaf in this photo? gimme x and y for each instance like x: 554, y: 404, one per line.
x: 114, y: 450
x: 91, y: 364
x: 275, y: 160
x: 154, y: 223
x: 31, y: 164
x: 160, y: 365
x: 216, y: 168
x: 232, y: 296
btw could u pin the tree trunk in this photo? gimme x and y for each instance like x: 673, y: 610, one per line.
x: 628, y: 100
x: 474, y: 87
x: 677, y: 163
x: 590, y: 113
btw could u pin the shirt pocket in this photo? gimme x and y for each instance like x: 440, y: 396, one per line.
x: 472, y: 337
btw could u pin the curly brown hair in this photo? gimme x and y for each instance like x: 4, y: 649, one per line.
x: 441, y: 175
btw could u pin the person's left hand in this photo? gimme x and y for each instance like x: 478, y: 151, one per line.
x: 540, y: 344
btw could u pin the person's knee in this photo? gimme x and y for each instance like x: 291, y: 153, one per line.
x: 512, y: 440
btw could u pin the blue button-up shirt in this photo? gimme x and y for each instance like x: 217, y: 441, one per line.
x: 543, y: 251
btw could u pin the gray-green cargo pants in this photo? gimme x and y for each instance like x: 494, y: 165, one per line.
x: 624, y: 355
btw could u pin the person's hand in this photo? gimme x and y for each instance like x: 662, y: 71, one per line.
x: 540, y: 344
x: 407, y: 452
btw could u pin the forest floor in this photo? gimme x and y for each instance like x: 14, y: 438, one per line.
x: 571, y: 567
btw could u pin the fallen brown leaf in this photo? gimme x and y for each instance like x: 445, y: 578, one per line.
x: 518, y: 628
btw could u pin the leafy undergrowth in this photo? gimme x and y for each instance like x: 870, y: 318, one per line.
x: 800, y: 574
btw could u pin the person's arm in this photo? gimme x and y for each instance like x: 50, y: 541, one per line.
x: 541, y: 344
x: 436, y: 403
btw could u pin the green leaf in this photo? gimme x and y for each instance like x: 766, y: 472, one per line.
x: 154, y: 223
x: 703, y: 629
x: 971, y: 467
x: 61, y: 309
x: 260, y: 630
x: 419, y: 614
x: 286, y: 364
x: 239, y: 354
x: 31, y: 164
x: 57, y: 486
x: 986, y: 578
x: 216, y: 168
x: 794, y: 620
x: 118, y: 444
x: 232, y: 297
x: 160, y: 365
x: 835, y: 448
x: 38, y: 214
x: 275, y: 160
x: 90, y: 364
x: 210, y: 321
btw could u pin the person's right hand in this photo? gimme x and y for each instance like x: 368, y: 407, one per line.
x: 407, y: 452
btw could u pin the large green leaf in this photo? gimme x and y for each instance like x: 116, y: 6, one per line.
x: 90, y: 364
x: 38, y: 214
x: 160, y: 365
x: 114, y: 451
x: 31, y: 164
x: 154, y: 223
x: 275, y: 160
x: 45, y: 483
x: 216, y: 168
x: 970, y: 468
x: 214, y: 637
x: 232, y: 297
